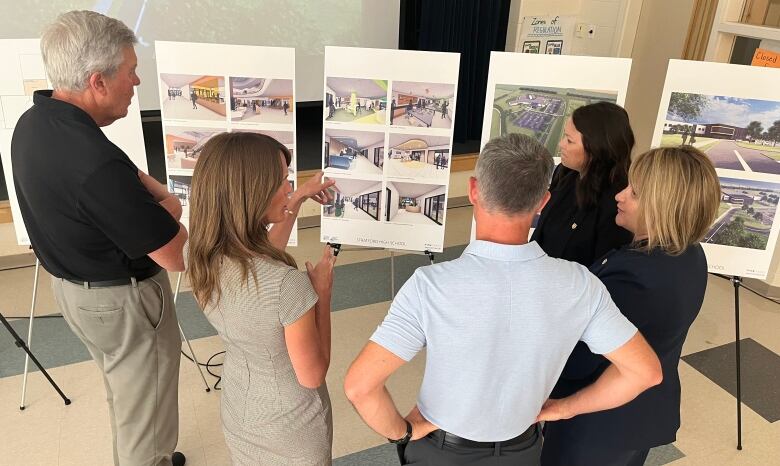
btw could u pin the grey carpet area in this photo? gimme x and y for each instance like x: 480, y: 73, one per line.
x: 760, y: 376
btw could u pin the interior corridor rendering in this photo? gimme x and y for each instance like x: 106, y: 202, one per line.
x: 415, y: 203
x: 356, y: 152
x: 353, y: 100
x: 415, y: 156
x: 183, y: 146
x: 426, y: 105
x: 192, y: 97
x: 355, y: 199
x: 261, y: 100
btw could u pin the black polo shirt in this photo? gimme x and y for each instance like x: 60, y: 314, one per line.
x: 87, y: 213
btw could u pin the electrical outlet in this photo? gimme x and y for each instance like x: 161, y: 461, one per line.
x: 590, y: 31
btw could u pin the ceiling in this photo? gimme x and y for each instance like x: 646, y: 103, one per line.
x: 368, y: 88
x: 355, y: 139
x: 350, y: 187
x: 413, y: 189
x: 430, y: 90
x: 260, y: 87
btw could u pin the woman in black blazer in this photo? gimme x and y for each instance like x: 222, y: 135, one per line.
x: 578, y: 223
x: 658, y: 282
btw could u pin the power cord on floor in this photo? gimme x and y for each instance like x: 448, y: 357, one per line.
x: 768, y: 298
x: 208, y: 365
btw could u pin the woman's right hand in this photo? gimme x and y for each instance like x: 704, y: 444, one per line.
x: 321, y: 275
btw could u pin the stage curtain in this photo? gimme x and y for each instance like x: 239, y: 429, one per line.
x: 473, y: 28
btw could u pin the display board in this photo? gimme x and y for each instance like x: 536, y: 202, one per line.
x: 732, y: 114
x: 387, y: 133
x: 21, y: 73
x: 535, y: 94
x: 207, y: 89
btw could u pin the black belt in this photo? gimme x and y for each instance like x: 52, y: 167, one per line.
x: 119, y: 281
x: 454, y: 440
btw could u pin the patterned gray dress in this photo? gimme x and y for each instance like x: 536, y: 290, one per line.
x: 268, y: 418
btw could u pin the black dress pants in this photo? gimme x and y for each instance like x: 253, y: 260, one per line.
x: 564, y: 447
x: 430, y: 452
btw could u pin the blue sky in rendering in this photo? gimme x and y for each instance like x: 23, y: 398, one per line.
x: 735, y: 112
x: 735, y: 183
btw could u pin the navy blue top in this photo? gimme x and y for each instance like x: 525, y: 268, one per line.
x: 661, y: 295
x: 582, y: 235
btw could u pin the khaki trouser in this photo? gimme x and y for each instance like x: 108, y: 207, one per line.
x: 132, y: 333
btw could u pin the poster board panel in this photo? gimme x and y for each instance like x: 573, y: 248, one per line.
x: 732, y: 114
x: 207, y: 89
x: 535, y: 94
x: 387, y: 141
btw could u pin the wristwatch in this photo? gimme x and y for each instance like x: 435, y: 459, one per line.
x: 405, y: 439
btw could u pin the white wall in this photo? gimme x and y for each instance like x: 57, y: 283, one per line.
x: 393, y: 206
x: 650, y: 57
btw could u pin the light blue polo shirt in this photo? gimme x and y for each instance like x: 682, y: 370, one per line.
x: 498, y: 325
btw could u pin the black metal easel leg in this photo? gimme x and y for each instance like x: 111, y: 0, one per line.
x: 737, y: 281
x: 336, y: 248
x: 20, y: 343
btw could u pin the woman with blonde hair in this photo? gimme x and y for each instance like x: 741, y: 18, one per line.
x: 273, y: 319
x: 658, y: 282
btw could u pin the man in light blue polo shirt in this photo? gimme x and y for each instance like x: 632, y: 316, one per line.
x: 497, y: 324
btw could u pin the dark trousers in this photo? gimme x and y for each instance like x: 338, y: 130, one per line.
x: 429, y: 451
x: 563, y: 447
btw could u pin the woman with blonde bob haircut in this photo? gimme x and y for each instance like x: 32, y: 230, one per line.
x: 273, y: 319
x: 658, y: 282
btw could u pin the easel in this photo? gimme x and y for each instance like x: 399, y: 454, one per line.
x: 337, y: 247
x: 29, y: 340
x: 737, y: 281
x: 192, y: 352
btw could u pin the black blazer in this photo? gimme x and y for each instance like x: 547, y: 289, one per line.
x: 595, y: 233
x: 661, y: 295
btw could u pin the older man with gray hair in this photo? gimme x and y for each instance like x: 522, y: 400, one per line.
x: 498, y: 325
x: 105, y: 230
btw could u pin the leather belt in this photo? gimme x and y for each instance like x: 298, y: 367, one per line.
x: 117, y: 282
x: 454, y: 440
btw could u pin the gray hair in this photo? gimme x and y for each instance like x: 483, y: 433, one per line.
x: 513, y: 173
x: 80, y: 43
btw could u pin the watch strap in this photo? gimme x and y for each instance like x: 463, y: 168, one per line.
x: 405, y: 439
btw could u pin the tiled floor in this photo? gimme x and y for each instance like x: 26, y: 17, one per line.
x: 49, y: 433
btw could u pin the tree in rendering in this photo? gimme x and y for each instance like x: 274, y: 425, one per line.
x: 773, y: 133
x: 686, y: 106
x: 754, y: 130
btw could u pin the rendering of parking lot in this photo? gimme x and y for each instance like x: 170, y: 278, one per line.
x: 539, y: 112
x: 735, y: 133
x: 746, y: 213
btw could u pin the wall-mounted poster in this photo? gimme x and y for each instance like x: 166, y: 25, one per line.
x: 531, y: 46
x: 22, y: 74
x: 387, y: 142
x: 554, y: 47
x: 535, y: 94
x: 732, y: 114
x: 207, y: 89
x: 550, y: 34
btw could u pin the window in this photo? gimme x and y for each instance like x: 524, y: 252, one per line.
x: 434, y: 208
x: 742, y: 26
